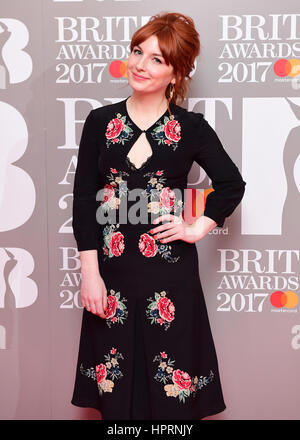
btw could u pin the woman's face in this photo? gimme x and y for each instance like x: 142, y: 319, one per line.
x: 147, y: 70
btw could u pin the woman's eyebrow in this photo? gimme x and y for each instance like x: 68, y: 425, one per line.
x: 157, y: 54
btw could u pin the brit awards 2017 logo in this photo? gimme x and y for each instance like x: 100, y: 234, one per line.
x: 254, y: 280
x: 255, y: 47
x: 284, y: 67
x: 89, y: 46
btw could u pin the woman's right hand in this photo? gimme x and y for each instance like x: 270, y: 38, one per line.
x: 93, y: 292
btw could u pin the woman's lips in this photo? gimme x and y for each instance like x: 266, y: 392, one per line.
x: 138, y: 77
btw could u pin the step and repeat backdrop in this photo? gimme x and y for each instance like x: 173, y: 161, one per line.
x: 61, y: 58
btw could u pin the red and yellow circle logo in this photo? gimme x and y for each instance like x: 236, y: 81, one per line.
x: 288, y: 299
x: 284, y: 67
x: 118, y: 68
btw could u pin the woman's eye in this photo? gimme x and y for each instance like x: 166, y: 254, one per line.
x: 138, y: 51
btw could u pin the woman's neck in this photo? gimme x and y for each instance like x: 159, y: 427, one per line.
x: 146, y: 103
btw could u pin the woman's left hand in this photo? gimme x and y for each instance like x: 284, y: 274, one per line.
x: 176, y: 229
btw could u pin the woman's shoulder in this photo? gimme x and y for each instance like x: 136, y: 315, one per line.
x: 107, y: 111
x: 188, y: 117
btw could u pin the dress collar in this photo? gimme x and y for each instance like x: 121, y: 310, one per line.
x: 166, y: 113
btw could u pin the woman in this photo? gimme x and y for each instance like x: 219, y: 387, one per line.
x: 146, y: 349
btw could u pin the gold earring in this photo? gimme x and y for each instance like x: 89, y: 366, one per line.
x: 172, y: 91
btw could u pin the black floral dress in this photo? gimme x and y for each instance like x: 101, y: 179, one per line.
x: 153, y: 357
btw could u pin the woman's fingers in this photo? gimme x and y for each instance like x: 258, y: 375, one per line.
x: 102, y: 306
x: 176, y: 236
x: 104, y: 303
x: 100, y: 311
x: 173, y: 222
x: 162, y: 227
x: 168, y: 217
x: 96, y: 307
x: 94, y: 295
x: 88, y: 307
x: 169, y: 231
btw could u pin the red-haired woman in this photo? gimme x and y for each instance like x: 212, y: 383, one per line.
x: 146, y: 349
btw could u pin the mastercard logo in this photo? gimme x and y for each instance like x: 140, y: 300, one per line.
x: 118, y: 69
x: 285, y: 67
x: 288, y: 299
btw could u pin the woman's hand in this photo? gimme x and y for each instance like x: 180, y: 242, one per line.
x: 93, y: 292
x: 178, y: 229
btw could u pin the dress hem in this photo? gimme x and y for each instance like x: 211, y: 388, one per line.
x: 207, y: 413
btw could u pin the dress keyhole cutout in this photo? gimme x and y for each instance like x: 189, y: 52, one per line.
x: 140, y: 151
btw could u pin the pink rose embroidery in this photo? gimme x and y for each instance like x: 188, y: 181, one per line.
x: 181, y: 379
x: 160, y: 310
x: 114, y: 190
x: 108, y: 193
x: 149, y: 248
x: 118, y: 130
x: 114, y: 128
x: 100, y: 373
x: 116, y: 311
x: 162, y: 199
x: 113, y: 242
x: 178, y: 383
x: 111, y: 306
x: 117, y: 244
x: 105, y: 373
x: 168, y: 132
x: 172, y: 130
x: 167, y: 198
x: 166, y: 308
x: 147, y: 245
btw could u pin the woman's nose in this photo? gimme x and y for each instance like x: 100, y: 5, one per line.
x: 141, y: 63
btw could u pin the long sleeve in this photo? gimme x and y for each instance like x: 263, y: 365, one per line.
x: 86, y: 229
x: 227, y: 182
